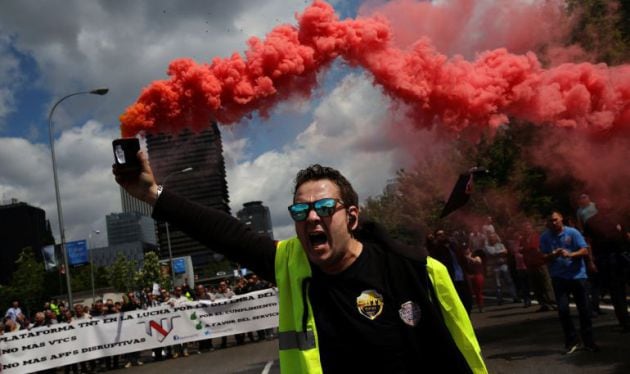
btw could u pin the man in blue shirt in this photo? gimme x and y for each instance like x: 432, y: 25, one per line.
x: 564, y: 249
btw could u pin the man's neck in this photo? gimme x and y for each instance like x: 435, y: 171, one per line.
x: 353, y: 252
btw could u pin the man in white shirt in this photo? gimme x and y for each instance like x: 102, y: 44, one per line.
x: 14, y: 310
x: 496, y: 255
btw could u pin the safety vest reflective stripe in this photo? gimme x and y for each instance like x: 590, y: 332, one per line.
x: 455, y: 316
x: 298, y: 351
x: 296, y: 340
x: 299, y: 354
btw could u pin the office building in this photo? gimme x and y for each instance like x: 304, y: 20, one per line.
x: 257, y: 216
x: 205, y: 183
x: 21, y: 226
x: 130, y: 227
x: 133, y: 251
x: 131, y: 204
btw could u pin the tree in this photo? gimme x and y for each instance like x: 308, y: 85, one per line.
x: 27, y: 284
x: 122, y: 274
x: 101, y: 278
x: 81, y: 278
x: 602, y: 28
x: 518, y: 186
x: 152, y: 273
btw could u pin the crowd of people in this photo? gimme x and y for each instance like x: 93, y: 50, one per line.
x: 336, y: 256
x: 515, y: 265
x: 54, y: 312
x: 581, y: 258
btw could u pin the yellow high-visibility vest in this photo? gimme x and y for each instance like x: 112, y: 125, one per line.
x: 299, y: 349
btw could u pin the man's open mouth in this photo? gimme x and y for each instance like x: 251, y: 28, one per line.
x: 317, y: 238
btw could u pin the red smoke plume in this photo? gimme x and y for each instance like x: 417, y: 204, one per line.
x: 453, y: 92
x: 466, y: 27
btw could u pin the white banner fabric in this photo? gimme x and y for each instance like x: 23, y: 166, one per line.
x: 42, y: 348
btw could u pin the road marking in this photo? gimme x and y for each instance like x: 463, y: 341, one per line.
x: 267, y: 367
x: 601, y: 306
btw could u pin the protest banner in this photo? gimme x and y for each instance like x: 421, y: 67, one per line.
x: 26, y: 351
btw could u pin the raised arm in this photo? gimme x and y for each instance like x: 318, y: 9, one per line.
x: 212, y: 227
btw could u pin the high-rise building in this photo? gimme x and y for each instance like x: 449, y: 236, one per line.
x: 106, y: 256
x: 206, y: 183
x: 21, y: 226
x: 131, y: 204
x: 130, y: 227
x: 131, y: 234
x: 257, y: 216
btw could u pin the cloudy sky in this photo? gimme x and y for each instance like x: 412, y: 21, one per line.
x: 49, y: 49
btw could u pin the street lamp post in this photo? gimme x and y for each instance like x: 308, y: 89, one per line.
x: 92, y: 261
x: 168, y: 233
x: 62, y: 234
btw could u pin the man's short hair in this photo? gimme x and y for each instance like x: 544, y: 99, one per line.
x: 318, y: 172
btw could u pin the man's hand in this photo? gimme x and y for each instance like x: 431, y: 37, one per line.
x: 565, y: 253
x: 142, y: 186
x: 558, y: 252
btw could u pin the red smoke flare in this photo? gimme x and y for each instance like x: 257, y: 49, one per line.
x: 450, y: 91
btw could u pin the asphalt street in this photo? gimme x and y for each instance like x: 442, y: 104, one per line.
x: 514, y: 340
x: 520, y: 340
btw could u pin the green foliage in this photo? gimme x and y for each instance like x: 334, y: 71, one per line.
x: 81, y: 278
x: 6, y: 297
x: 152, y: 272
x: 515, y: 189
x: 122, y: 274
x: 602, y: 28
x: 54, y: 283
x: 101, y: 279
x: 27, y: 284
x: 410, y: 206
x: 499, y: 154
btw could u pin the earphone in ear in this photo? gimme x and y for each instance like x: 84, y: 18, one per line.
x: 351, y: 219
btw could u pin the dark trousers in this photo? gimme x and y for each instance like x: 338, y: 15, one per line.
x: 612, y: 271
x: 112, y: 362
x: 522, y: 281
x: 463, y: 290
x: 133, y: 357
x: 240, y: 338
x: 541, y: 284
x: 595, y: 288
x: 157, y: 354
x: 578, y: 289
x: 205, y: 345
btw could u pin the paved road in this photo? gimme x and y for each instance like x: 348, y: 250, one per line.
x: 514, y: 340
x: 517, y: 340
x: 251, y: 358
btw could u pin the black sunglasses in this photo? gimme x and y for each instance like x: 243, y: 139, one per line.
x: 323, y: 207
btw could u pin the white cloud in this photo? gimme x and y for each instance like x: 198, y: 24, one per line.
x: 88, y: 44
x: 88, y: 191
x: 348, y: 132
x: 10, y: 76
x: 126, y: 45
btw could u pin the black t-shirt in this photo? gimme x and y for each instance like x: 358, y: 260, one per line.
x: 603, y: 234
x: 393, y: 287
x: 351, y: 341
